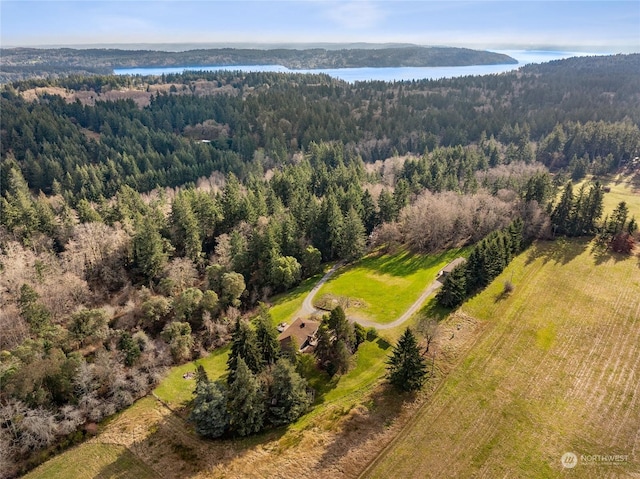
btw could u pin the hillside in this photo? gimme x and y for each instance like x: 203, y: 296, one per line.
x: 17, y: 63
x: 554, y: 372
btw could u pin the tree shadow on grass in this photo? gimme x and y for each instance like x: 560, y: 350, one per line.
x: 432, y: 310
x: 602, y: 254
x: 561, y: 250
x: 171, y: 448
x: 401, y: 264
x: 363, y: 423
x: 501, y: 296
x: 127, y: 465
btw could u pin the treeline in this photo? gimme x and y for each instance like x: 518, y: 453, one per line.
x: 579, y: 214
x: 487, y: 260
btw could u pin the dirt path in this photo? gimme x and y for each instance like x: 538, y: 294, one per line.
x: 309, y: 309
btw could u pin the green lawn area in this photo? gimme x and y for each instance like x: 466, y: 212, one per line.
x: 285, y: 305
x: 94, y: 460
x: 554, y: 370
x: 382, y: 287
x: 177, y: 391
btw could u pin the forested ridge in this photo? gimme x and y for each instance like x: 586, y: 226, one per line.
x: 134, y: 236
x: 19, y: 63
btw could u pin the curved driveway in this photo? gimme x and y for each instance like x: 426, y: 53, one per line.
x: 309, y: 309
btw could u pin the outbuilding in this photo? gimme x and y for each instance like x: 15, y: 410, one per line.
x: 450, y: 267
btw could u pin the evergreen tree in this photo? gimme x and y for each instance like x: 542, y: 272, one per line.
x: 334, y: 227
x: 386, y: 206
x: 244, y: 345
x: 130, y: 348
x: 560, y: 217
x: 341, y: 356
x: 618, y: 219
x: 33, y: 312
x: 323, y: 350
x: 340, y: 327
x: 353, y: 241
x: 148, y: 250
x: 369, y: 213
x: 406, y: 366
x: 311, y: 261
x: 246, y: 401
x: 185, y: 229
x: 267, y: 337
x: 288, y: 398
x: 593, y: 207
x: 209, y: 413
x: 454, y: 288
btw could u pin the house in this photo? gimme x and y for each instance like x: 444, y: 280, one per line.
x: 302, y: 332
x: 450, y: 267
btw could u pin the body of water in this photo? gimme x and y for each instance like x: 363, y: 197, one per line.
x: 524, y: 57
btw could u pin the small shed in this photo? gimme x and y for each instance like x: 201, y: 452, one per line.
x: 302, y: 332
x: 450, y: 267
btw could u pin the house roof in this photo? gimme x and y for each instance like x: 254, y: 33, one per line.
x: 451, y: 266
x: 300, y: 330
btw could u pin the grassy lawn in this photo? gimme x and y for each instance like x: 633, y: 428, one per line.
x: 555, y: 370
x: 94, y: 460
x: 285, y: 305
x: 177, y: 391
x: 383, y: 287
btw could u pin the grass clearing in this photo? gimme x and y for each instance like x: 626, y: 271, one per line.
x: 94, y: 460
x: 177, y: 391
x: 554, y: 371
x: 284, y: 306
x: 382, y: 287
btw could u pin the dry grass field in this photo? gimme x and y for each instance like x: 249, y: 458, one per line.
x: 557, y: 370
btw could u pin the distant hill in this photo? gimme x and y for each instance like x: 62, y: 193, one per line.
x: 21, y: 63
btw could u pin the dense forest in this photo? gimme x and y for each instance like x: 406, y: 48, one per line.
x: 21, y: 63
x: 137, y: 235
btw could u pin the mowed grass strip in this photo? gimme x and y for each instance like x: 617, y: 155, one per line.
x: 555, y: 371
x: 382, y: 287
x: 94, y: 460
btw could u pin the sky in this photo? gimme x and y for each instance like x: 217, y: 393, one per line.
x: 607, y: 26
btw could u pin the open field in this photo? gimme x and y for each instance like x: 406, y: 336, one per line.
x: 556, y: 370
x: 382, y: 287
